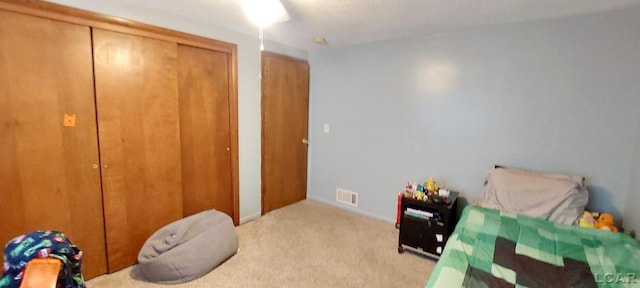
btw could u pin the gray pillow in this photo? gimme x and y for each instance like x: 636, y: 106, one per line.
x: 188, y: 248
x: 554, y: 197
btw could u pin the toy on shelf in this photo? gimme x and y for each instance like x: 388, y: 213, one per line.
x: 409, y: 190
x: 428, y: 191
x: 431, y: 187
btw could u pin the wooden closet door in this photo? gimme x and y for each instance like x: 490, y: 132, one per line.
x: 203, y: 79
x: 138, y: 116
x: 48, y: 180
x: 285, y: 107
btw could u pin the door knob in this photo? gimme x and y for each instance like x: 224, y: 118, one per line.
x: 305, y: 141
x: 95, y: 166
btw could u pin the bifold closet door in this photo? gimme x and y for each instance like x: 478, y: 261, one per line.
x: 138, y: 116
x: 203, y: 78
x: 49, y: 176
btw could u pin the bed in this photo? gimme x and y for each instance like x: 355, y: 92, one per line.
x: 490, y: 248
x: 499, y: 248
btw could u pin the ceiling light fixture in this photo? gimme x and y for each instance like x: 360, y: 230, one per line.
x: 264, y: 13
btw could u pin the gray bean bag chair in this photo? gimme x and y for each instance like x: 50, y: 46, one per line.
x: 188, y: 248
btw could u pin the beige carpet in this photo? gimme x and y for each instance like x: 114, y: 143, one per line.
x: 307, y: 244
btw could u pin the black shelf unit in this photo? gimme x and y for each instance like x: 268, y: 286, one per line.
x: 427, y: 234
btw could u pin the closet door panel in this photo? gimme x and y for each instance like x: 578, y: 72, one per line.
x: 203, y: 79
x: 138, y: 116
x: 47, y: 177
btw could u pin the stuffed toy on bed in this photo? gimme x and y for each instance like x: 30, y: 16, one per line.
x: 605, y: 222
x: 587, y: 220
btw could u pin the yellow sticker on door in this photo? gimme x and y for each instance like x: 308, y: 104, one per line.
x: 69, y: 120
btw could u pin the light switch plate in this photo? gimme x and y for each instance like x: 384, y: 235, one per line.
x: 326, y: 128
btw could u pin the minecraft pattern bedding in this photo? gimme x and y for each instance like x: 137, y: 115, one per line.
x: 493, y: 249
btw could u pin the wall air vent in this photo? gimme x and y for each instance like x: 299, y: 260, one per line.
x: 347, y: 197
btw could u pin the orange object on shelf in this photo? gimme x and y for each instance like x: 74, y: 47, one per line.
x: 41, y: 273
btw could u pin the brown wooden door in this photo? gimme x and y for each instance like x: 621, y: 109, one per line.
x: 138, y: 116
x: 47, y: 178
x: 203, y: 78
x: 285, y: 105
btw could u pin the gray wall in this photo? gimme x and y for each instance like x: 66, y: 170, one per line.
x: 632, y: 205
x: 556, y: 96
x: 248, y: 84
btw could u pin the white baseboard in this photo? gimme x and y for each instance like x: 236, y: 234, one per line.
x: 249, y: 218
x: 352, y: 209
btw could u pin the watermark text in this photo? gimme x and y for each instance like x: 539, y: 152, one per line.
x: 616, y: 278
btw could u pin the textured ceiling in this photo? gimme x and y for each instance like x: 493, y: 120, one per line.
x: 346, y: 22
